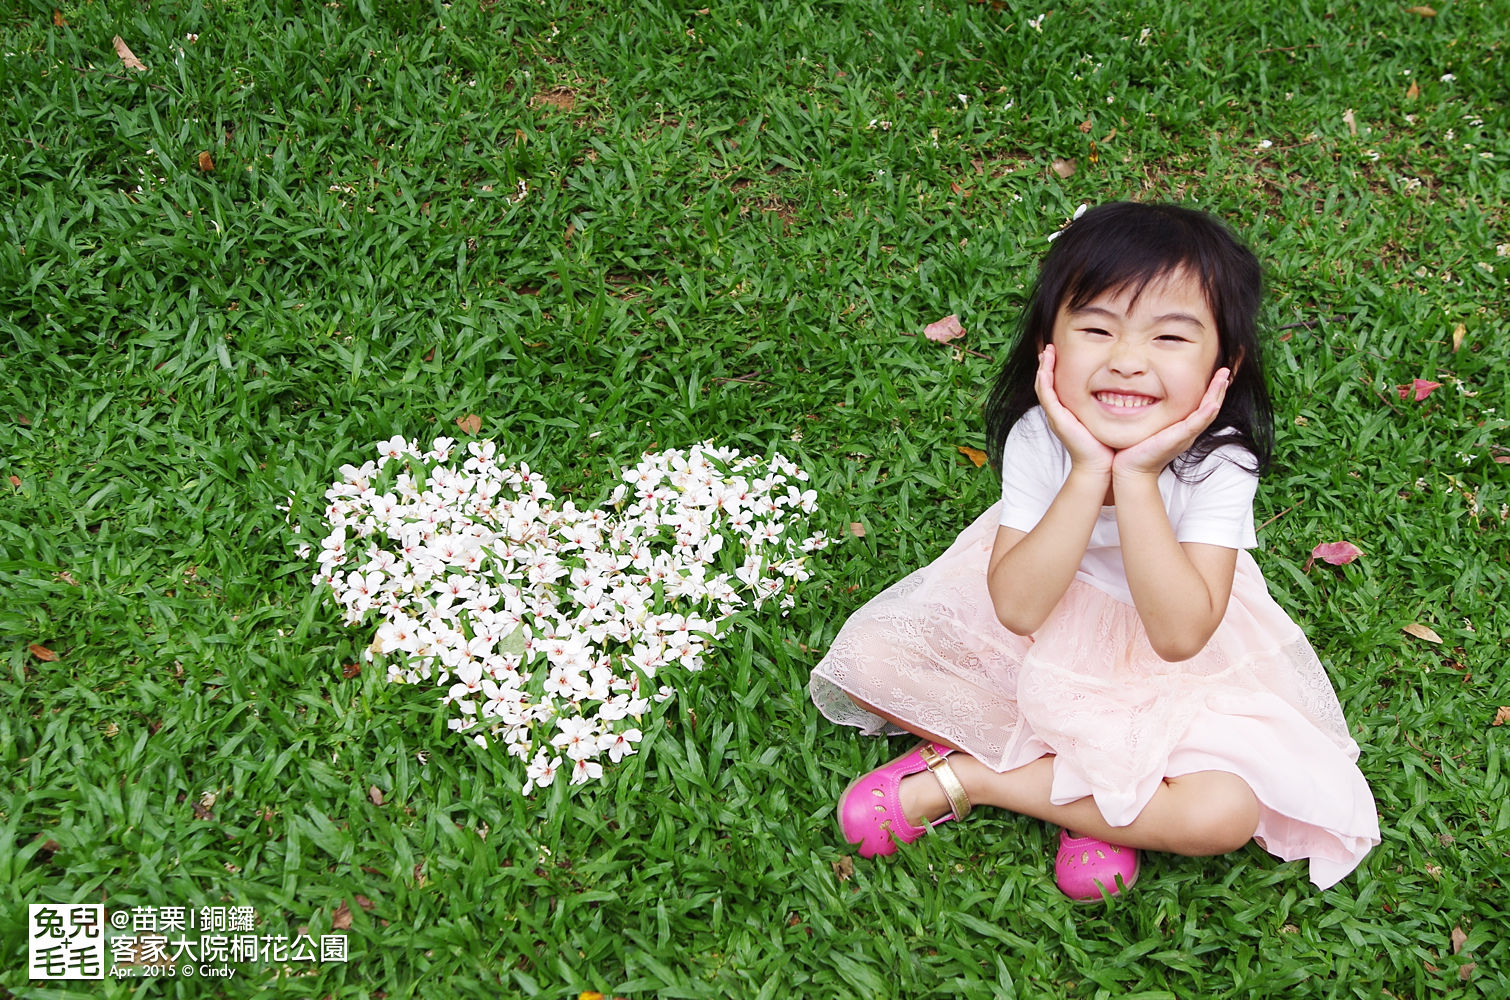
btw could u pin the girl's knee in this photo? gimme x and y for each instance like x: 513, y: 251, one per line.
x: 1219, y: 818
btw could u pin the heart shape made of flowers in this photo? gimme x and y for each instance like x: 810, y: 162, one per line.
x: 547, y: 625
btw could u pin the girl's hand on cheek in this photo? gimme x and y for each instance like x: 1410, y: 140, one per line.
x: 1086, y: 452
x: 1152, y: 454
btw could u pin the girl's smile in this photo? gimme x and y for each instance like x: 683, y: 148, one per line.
x: 1129, y: 367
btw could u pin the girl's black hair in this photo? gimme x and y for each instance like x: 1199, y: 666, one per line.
x: 1123, y: 246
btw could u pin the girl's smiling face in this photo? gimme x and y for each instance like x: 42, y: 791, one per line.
x: 1127, y: 369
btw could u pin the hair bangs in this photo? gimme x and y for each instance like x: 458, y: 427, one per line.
x: 1127, y: 259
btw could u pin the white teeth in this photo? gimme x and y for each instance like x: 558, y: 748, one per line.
x: 1120, y: 400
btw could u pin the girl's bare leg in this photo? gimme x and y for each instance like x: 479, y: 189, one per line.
x: 1206, y: 813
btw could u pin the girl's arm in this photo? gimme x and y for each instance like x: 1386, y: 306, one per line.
x: 1030, y: 571
x: 1180, y: 589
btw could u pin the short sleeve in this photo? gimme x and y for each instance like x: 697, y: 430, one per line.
x: 1034, y: 466
x: 1218, y: 509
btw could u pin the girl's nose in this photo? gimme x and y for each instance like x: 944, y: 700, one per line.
x: 1128, y: 358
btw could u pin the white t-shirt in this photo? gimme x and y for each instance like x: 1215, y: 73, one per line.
x: 1215, y: 510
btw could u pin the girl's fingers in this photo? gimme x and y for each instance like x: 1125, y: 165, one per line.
x: 1160, y: 449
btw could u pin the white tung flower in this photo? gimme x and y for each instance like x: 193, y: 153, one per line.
x: 545, y: 626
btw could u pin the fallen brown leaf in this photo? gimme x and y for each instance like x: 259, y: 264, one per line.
x: 375, y: 795
x: 1064, y: 168
x: 857, y: 529
x: 1086, y: 126
x: 342, y: 919
x: 975, y: 455
x: 944, y: 330
x: 15, y: 481
x: 1350, y: 121
x: 350, y: 670
x: 1459, y: 938
x: 1502, y: 716
x: 58, y: 20
x: 844, y: 868
x: 1465, y: 971
x: 128, y: 58
x: 1422, y: 632
x: 1458, y: 333
x: 471, y: 423
x: 363, y: 902
x: 1414, y: 91
x: 206, y: 161
x: 42, y: 653
x: 1421, y: 10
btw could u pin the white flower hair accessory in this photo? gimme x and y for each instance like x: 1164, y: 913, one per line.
x: 1078, y: 213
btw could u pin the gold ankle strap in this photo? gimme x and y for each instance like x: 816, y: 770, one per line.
x: 953, y: 789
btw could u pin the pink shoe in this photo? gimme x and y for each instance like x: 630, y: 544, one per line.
x: 1085, y: 866
x: 870, y: 810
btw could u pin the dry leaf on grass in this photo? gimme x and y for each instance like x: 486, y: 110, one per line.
x: 206, y: 161
x: 128, y: 58
x: 944, y: 330
x: 975, y: 455
x: 1414, y: 91
x: 471, y: 423
x: 1422, y: 632
x: 857, y: 529
x: 1064, y: 168
x: 341, y: 921
x: 1502, y: 716
x: 375, y: 795
x: 58, y: 20
x: 1419, y: 388
x: 1458, y: 940
x: 1458, y: 333
x: 1421, y: 10
x: 1335, y: 553
x: 42, y: 653
x: 1350, y: 121
x: 844, y: 868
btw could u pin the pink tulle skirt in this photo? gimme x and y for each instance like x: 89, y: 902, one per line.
x: 1088, y: 688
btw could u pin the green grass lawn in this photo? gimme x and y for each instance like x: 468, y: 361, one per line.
x: 608, y: 228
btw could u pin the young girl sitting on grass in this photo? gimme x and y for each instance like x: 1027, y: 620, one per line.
x: 1098, y: 649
